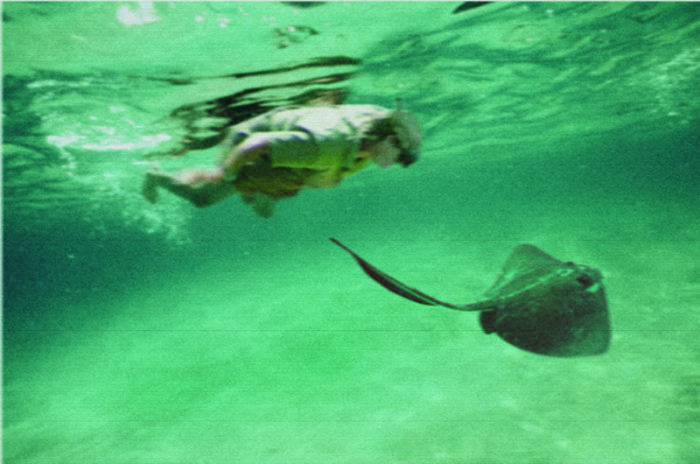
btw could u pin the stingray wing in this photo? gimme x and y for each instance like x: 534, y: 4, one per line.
x: 392, y: 284
x: 525, y: 266
x: 570, y: 326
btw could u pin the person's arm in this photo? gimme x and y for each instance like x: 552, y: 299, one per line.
x: 246, y: 152
x: 293, y: 149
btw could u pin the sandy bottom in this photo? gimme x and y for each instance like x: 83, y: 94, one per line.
x: 291, y: 355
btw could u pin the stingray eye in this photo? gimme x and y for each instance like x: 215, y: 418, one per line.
x: 585, y: 280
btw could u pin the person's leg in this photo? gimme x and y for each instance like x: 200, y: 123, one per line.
x: 201, y: 188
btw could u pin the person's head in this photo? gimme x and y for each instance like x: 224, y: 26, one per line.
x: 395, y: 139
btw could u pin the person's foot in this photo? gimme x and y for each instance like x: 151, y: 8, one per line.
x: 263, y: 205
x: 149, y: 189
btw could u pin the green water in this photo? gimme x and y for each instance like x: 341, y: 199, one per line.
x: 162, y: 334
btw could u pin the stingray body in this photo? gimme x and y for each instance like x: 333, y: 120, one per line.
x: 539, y: 304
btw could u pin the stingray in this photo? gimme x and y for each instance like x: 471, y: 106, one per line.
x: 538, y: 304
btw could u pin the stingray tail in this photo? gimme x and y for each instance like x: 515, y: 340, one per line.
x: 395, y: 286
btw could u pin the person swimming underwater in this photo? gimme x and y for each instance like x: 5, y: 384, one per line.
x: 279, y: 153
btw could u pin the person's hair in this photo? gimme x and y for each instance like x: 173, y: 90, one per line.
x: 380, y: 129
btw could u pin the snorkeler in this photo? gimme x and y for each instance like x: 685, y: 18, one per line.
x: 276, y: 154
